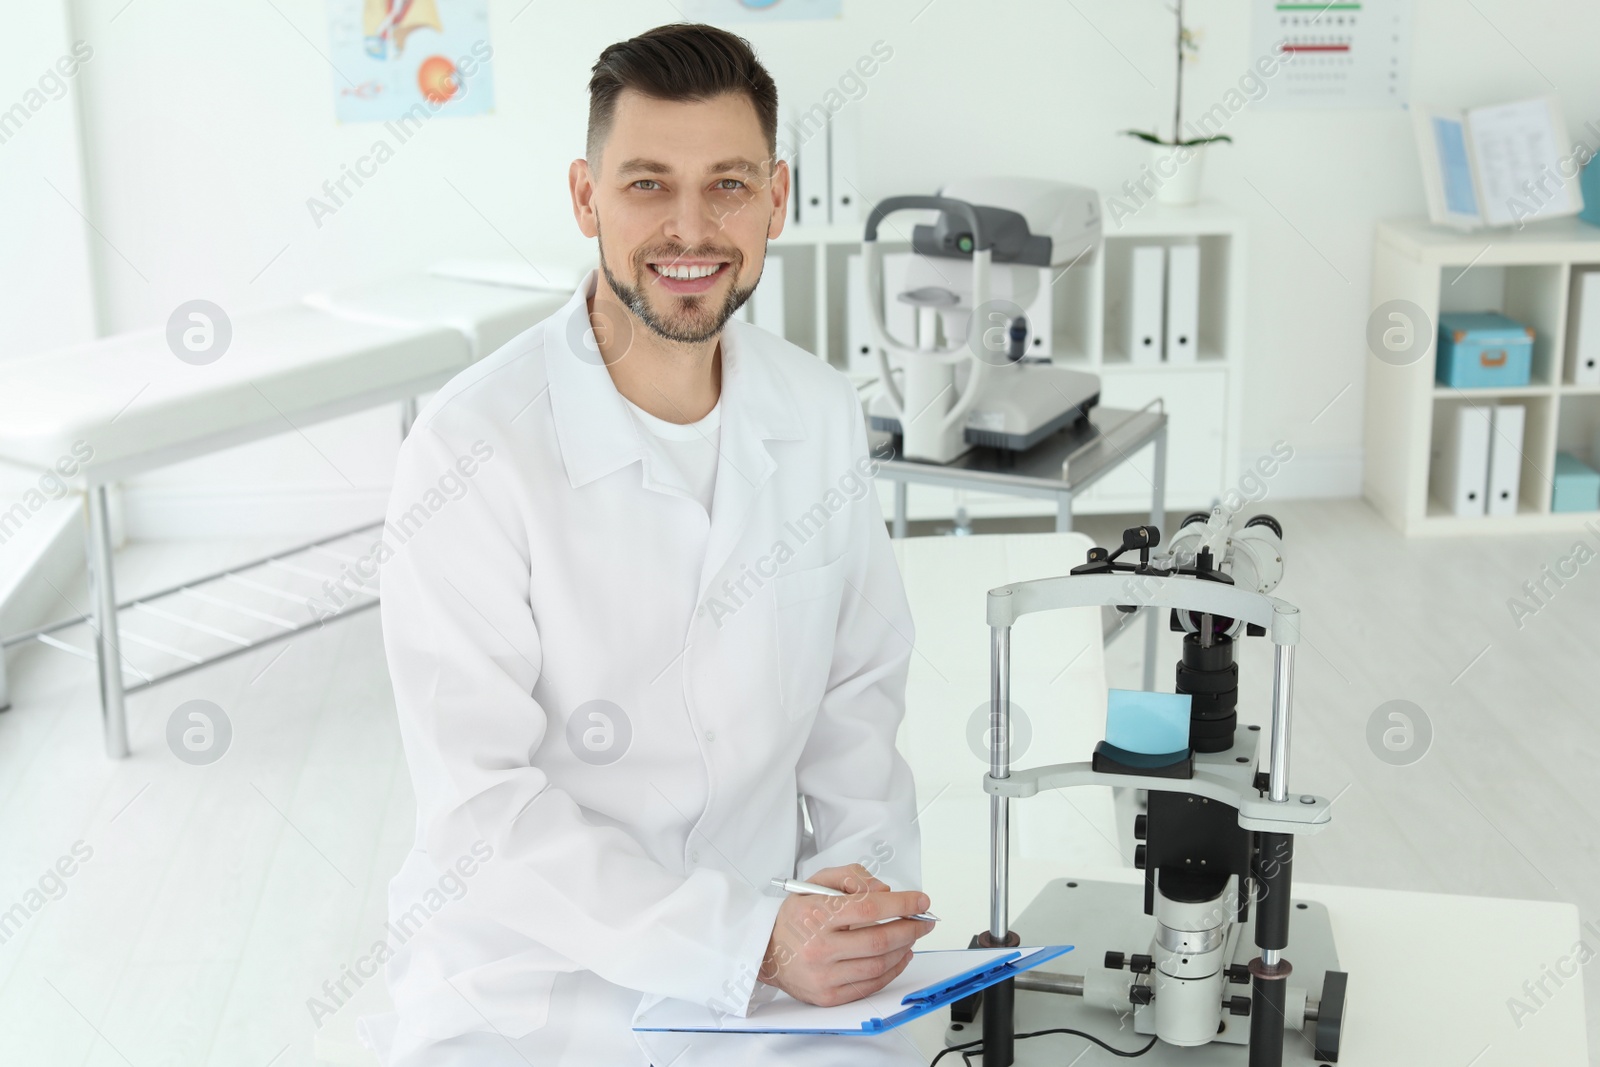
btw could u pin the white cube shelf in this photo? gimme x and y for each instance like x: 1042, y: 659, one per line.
x: 1526, y: 274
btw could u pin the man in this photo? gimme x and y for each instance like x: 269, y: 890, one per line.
x: 646, y: 621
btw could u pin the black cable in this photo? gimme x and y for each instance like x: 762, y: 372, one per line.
x: 970, y: 1049
x: 953, y: 1048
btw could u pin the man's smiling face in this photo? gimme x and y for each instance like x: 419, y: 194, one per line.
x: 683, y: 199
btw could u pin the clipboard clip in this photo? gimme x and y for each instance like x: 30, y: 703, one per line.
x: 979, y: 978
x: 954, y: 985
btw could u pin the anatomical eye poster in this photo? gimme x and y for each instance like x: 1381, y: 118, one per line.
x: 410, y: 59
x: 716, y: 11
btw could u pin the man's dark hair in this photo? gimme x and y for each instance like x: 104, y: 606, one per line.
x: 681, y: 61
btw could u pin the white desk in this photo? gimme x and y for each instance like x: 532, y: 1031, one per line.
x: 1430, y: 974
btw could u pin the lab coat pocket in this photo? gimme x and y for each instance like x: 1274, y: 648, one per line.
x: 509, y: 994
x: 808, y: 619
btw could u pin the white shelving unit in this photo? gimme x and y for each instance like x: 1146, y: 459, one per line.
x: 1525, y: 274
x: 1202, y: 399
x: 816, y: 310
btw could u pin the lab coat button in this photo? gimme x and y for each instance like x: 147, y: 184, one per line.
x: 711, y: 735
x: 694, y: 857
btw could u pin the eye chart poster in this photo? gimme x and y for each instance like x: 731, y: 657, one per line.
x: 1344, y: 54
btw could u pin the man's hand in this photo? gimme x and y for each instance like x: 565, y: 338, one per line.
x: 832, y: 950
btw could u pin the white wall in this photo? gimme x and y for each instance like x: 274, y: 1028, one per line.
x: 46, y: 299
x: 209, y: 126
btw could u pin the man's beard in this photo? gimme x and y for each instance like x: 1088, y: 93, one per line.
x: 698, y: 328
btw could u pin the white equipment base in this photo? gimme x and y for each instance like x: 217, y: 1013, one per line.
x: 1097, y: 917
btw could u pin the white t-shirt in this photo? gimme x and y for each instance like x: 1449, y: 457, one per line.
x: 691, y: 447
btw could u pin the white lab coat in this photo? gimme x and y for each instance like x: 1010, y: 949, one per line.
x: 542, y: 559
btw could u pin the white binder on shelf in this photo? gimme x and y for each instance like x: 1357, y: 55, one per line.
x: 1145, y: 301
x: 1460, y: 473
x: 812, y: 165
x: 1586, y: 313
x: 788, y: 150
x: 1505, y: 457
x: 766, y: 304
x: 1183, y: 303
x: 844, y: 180
x: 860, y: 357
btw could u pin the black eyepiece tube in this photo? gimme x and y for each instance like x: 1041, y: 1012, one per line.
x: 1141, y: 537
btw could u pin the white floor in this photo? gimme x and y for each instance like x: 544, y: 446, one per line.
x: 216, y: 901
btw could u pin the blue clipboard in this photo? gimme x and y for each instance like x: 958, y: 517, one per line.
x: 965, y: 984
x: 917, y: 1003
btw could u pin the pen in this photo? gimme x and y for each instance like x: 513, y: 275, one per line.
x: 791, y: 885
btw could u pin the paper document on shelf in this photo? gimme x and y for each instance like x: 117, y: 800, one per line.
x: 1518, y: 152
x: 784, y: 1014
x: 1500, y: 165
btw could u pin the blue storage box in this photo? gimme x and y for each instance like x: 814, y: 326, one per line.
x: 1577, y: 485
x: 1484, y: 350
x: 1589, y: 186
